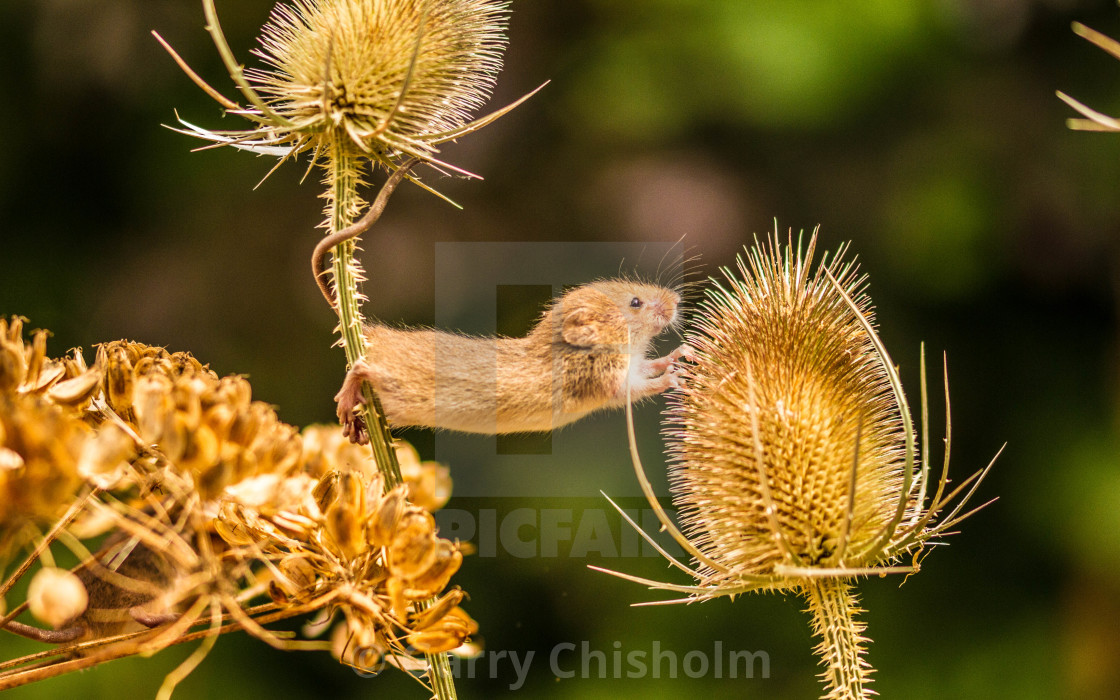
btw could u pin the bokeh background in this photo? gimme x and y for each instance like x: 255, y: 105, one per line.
x: 926, y: 132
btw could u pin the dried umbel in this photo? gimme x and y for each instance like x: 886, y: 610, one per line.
x: 793, y: 459
x: 371, y: 555
x: 211, y: 502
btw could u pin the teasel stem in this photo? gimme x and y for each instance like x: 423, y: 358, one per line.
x: 834, y: 606
x: 345, y: 167
x: 344, y: 180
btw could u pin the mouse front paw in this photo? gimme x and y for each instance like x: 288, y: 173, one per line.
x: 684, y: 351
x: 350, y: 400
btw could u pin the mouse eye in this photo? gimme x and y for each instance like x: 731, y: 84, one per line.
x: 635, y: 303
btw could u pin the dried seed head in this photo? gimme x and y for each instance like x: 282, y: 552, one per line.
x: 56, y: 596
x: 380, y: 79
x: 787, y: 394
x: 792, y: 454
x: 384, y: 73
x: 307, y: 514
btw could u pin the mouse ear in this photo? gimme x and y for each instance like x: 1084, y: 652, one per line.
x: 592, y: 319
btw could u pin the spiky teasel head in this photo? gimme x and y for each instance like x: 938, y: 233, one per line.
x: 381, y: 79
x: 793, y: 459
x: 788, y: 445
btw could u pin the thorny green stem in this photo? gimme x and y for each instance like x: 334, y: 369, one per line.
x: 344, y: 180
x: 834, y: 606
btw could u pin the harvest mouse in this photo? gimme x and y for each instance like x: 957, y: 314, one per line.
x: 125, y: 601
x: 583, y: 353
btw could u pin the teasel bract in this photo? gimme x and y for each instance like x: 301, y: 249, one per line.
x: 1093, y: 120
x: 792, y: 455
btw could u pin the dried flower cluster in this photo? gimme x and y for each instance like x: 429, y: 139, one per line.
x: 792, y: 454
x: 212, y: 502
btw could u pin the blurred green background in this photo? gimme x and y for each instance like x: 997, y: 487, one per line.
x: 924, y: 131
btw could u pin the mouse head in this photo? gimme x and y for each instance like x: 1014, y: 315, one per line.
x: 611, y: 312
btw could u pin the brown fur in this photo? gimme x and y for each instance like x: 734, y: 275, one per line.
x: 577, y: 359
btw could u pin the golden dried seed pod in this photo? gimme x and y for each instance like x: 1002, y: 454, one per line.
x: 438, y: 610
x: 249, y: 422
x: 104, y: 460
x: 75, y: 364
x: 201, y: 450
x: 280, y: 447
x: 37, y: 357
x: 429, y: 484
x: 414, y: 546
x: 243, y: 465
x: 13, y: 368
x: 351, y: 492
x: 435, y: 578
x: 174, y: 438
x: 76, y: 391
x: 299, y: 525
x: 326, y: 491
x: 234, y: 390
x: 345, y: 528
x: 147, y: 365
x: 185, y: 364
x: 450, y: 632
x: 50, y: 371
x: 12, y: 330
x: 56, y: 596
x: 299, y: 572
x: 220, y: 417
x: 360, y: 646
x: 234, y: 533
x: 153, y: 406
x: 187, y: 403
x: 118, y: 380
x: 382, y: 522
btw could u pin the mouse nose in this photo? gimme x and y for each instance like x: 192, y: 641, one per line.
x: 666, y: 310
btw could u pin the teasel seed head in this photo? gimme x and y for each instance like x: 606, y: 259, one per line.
x: 793, y: 458
x: 380, y: 79
x: 787, y: 444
